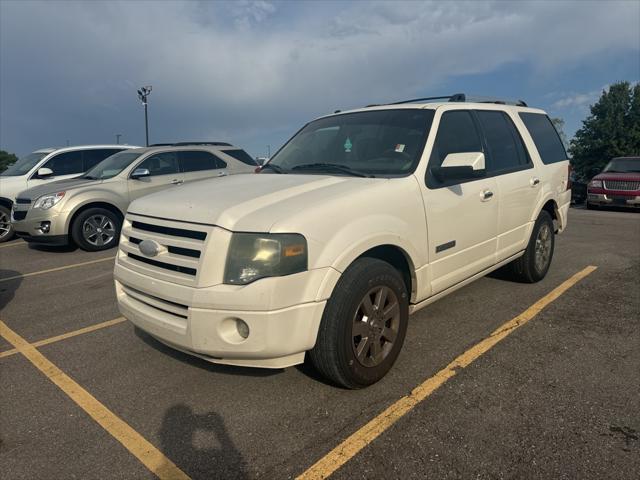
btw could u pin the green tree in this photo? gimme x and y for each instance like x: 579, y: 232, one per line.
x: 6, y: 159
x: 611, y: 130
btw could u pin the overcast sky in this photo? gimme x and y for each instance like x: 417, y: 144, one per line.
x: 252, y: 72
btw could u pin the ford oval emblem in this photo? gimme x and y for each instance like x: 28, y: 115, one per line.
x: 150, y: 248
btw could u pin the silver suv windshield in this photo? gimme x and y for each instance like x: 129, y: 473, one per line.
x: 111, y: 166
x: 24, y: 165
x: 374, y: 143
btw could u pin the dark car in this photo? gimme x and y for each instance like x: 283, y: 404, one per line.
x: 618, y: 184
x: 578, y: 190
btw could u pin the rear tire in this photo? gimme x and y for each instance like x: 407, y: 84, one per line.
x: 591, y: 206
x: 6, y: 229
x: 534, y: 264
x: 96, y: 229
x: 363, y: 325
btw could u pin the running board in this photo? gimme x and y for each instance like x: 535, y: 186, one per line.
x: 418, y: 306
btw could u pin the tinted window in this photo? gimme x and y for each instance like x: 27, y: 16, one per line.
x: 199, y: 160
x: 457, y: 133
x: 93, y: 157
x: 66, y: 163
x: 503, y: 141
x: 161, y: 164
x: 241, y: 156
x: 545, y: 137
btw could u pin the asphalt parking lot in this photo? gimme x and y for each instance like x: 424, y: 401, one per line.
x: 556, y: 397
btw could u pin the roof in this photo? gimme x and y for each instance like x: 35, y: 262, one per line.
x: 82, y: 147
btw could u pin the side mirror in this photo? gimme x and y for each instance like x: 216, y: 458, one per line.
x: 45, y: 172
x: 140, y: 173
x: 461, y: 166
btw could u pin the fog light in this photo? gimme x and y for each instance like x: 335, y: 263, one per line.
x: 45, y: 227
x: 242, y: 327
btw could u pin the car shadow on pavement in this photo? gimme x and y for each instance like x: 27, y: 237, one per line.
x: 203, y: 364
x: 200, y: 445
x: 53, y: 248
x: 8, y: 288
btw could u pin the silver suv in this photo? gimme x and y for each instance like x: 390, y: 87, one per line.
x: 89, y: 209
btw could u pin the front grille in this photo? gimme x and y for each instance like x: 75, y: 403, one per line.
x: 621, y: 185
x: 167, y: 266
x: 181, y: 248
x: 19, y: 215
x: 23, y: 200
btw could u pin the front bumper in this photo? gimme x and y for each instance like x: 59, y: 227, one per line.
x: 33, y: 227
x: 613, y: 200
x: 277, y: 338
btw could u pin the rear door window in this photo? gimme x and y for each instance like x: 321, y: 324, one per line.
x: 67, y: 163
x: 197, y: 160
x: 165, y: 163
x: 241, y: 156
x: 545, y: 137
x: 506, y: 150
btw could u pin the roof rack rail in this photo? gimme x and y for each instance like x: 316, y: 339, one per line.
x: 161, y: 145
x: 456, y: 97
x: 215, y: 144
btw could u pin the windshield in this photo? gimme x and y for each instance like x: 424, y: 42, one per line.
x: 379, y: 143
x: 623, y: 165
x: 111, y: 166
x: 22, y: 166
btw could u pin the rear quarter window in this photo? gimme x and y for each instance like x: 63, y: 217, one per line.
x: 545, y: 137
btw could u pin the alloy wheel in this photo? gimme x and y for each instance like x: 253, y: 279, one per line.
x: 98, y: 230
x: 543, y: 248
x: 5, y: 225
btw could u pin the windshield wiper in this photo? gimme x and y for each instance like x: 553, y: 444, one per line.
x: 275, y: 168
x: 332, y: 167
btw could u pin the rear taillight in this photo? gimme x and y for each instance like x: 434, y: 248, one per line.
x: 569, y: 170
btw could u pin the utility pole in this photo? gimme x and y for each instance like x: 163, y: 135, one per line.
x: 118, y: 135
x: 143, y: 93
x: 268, y: 151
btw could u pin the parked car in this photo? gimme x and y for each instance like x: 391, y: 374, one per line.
x: 45, y: 166
x: 618, y: 185
x: 88, y: 210
x: 578, y: 190
x: 362, y: 218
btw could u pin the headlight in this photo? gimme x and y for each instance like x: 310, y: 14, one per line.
x: 45, y: 202
x: 257, y: 255
x: 595, y: 183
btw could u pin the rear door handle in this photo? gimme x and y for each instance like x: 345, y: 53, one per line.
x: 175, y: 181
x: 486, y: 195
x: 534, y: 181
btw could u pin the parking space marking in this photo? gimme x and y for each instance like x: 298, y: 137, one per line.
x: 64, y: 336
x: 14, y: 243
x: 141, y: 448
x: 341, y: 454
x: 57, y: 269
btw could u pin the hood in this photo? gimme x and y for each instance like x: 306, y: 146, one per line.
x: 12, y: 185
x: 628, y: 176
x: 247, y: 202
x: 57, y: 186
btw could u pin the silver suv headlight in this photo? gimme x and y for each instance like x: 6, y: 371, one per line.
x: 45, y: 202
x: 257, y: 255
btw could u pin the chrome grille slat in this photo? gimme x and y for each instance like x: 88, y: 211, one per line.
x: 622, y: 185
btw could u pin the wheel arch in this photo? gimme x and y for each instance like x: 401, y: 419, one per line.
x: 92, y: 204
x: 5, y: 202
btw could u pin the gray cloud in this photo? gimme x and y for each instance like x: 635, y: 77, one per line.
x: 252, y: 71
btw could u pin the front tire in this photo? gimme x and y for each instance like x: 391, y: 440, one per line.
x: 96, y: 229
x: 6, y: 229
x: 534, y: 264
x: 363, y: 325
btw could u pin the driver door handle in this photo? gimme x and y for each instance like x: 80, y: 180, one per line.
x: 486, y: 195
x: 534, y: 181
x: 175, y: 181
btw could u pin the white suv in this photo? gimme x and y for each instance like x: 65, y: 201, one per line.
x: 45, y: 166
x: 362, y: 218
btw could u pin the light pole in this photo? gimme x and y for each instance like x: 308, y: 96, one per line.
x: 143, y: 93
x: 118, y: 135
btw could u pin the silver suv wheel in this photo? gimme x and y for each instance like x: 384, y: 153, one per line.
x: 5, y: 224
x: 98, y: 230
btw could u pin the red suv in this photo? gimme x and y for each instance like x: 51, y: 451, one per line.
x: 618, y: 184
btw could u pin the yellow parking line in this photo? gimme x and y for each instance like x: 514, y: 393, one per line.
x: 341, y: 454
x: 14, y: 243
x: 141, y: 448
x: 64, y: 336
x: 57, y: 269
